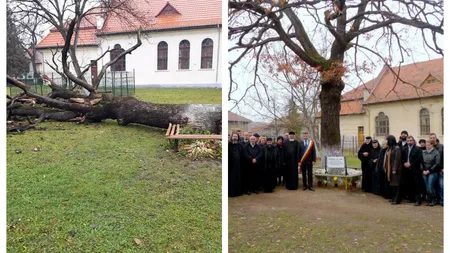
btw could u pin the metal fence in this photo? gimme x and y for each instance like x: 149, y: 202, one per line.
x: 119, y: 83
x: 349, y: 144
x: 36, y: 84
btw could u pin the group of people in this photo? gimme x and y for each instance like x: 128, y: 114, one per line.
x: 404, y: 170
x: 258, y: 164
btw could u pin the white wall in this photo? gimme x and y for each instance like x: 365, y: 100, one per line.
x: 144, y: 59
x: 84, y: 56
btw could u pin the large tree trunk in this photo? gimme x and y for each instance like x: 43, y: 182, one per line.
x: 127, y: 110
x: 130, y: 110
x: 64, y: 105
x: 330, y: 102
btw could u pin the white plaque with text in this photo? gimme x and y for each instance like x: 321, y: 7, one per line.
x: 337, y: 162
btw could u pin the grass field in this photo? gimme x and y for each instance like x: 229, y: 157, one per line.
x: 106, y: 188
x: 180, y: 96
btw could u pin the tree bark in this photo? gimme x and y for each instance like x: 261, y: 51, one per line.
x: 128, y: 110
x: 330, y: 102
x: 64, y: 105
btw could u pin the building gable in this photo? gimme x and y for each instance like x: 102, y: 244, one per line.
x: 431, y: 79
x: 168, y: 10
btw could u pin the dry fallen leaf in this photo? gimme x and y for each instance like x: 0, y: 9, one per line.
x: 137, y: 241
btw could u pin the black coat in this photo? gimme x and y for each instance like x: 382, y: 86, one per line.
x: 235, y: 161
x: 400, y: 144
x: 270, y: 158
x: 439, y: 147
x: 365, y: 166
x: 280, y: 161
x: 415, y: 157
x: 253, y: 153
x: 292, y: 152
x: 373, y: 158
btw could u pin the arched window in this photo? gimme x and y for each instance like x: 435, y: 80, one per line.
x: 207, y: 54
x: 424, y: 122
x: 162, y: 55
x: 382, y: 124
x: 120, y: 64
x: 184, y: 53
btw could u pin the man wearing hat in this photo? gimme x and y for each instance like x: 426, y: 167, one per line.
x: 291, y: 154
x: 257, y: 137
x: 402, y: 140
x: 364, y: 156
x: 269, y: 166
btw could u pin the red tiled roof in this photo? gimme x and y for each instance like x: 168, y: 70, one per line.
x: 358, y: 92
x: 192, y: 14
x: 414, y: 87
x: 54, y: 38
x: 349, y: 107
x: 235, y: 117
x: 379, y: 87
x: 258, y: 128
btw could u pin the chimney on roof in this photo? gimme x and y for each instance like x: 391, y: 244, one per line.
x: 100, y: 21
x: 366, y: 94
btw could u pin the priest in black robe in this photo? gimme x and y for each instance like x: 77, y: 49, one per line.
x: 281, y: 172
x: 373, y: 161
x: 235, y: 159
x: 270, y: 155
x: 253, y: 155
x: 364, y: 155
x: 292, y: 158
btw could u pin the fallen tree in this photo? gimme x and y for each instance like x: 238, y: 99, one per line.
x: 84, y: 103
x: 125, y: 110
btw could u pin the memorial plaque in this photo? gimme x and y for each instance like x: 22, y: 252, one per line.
x: 335, y: 165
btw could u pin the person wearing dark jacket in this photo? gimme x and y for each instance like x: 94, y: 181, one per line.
x: 383, y: 184
x: 308, y: 159
x: 393, y: 168
x: 235, y: 159
x: 253, y: 155
x: 411, y: 160
x: 373, y: 161
x: 363, y: 155
x: 291, y: 157
x: 440, y: 180
x: 269, y: 158
x: 281, y: 171
x: 430, y: 168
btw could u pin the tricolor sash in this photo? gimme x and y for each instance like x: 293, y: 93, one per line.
x: 307, y: 152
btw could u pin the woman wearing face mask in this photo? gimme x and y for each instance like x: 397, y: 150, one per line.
x: 430, y: 168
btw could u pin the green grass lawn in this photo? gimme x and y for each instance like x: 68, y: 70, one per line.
x: 98, y: 187
x: 180, y: 96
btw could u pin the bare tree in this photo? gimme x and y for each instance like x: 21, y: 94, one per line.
x: 67, y: 16
x: 300, y: 83
x: 351, y: 25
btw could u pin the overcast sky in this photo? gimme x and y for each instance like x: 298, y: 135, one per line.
x: 243, y: 73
